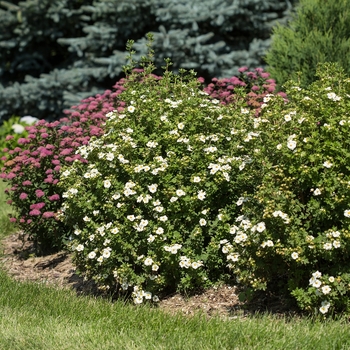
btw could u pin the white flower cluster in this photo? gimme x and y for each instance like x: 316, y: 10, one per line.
x: 173, y: 248
x: 186, y: 263
x: 282, y: 215
x: 139, y: 295
x: 321, y: 289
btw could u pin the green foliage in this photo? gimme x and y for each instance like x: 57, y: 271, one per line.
x: 319, y: 32
x: 10, y: 132
x: 147, y: 207
x: 292, y: 235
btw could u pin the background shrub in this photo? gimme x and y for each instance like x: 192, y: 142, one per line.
x: 56, y: 53
x: 319, y: 32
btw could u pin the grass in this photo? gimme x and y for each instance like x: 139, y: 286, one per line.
x: 6, y: 227
x: 35, y: 316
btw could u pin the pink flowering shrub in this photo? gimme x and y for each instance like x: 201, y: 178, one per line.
x: 255, y: 84
x: 32, y: 168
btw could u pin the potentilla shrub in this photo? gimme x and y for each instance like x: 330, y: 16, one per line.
x: 292, y: 235
x: 32, y: 168
x: 147, y: 207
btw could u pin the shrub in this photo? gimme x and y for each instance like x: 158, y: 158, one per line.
x: 158, y: 184
x: 32, y: 168
x: 255, y: 83
x: 318, y: 33
x: 292, y: 234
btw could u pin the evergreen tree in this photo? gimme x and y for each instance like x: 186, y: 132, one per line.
x: 318, y: 32
x: 53, y: 53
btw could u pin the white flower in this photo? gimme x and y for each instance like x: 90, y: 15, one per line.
x: 336, y: 244
x: 317, y: 192
x: 163, y: 218
x: 106, y: 253
x: 181, y: 126
x: 153, y: 188
x: 159, y: 209
x: 150, y: 238
x: 86, y: 218
x: 131, y: 109
x: 195, y: 265
x: 295, y: 255
x: 107, y: 184
x: 332, y: 96
x: 173, y: 199
x: 92, y: 255
x: 279, y: 146
x: 79, y: 248
x: 315, y: 282
x: 131, y: 217
x: 155, y: 298
x: 244, y: 110
x: 233, y: 257
x: 180, y: 193
x: 202, y: 222
x: 100, y: 259
x: 291, y: 144
x: 17, y: 128
x: 225, y: 249
x: 335, y: 234
x: 148, y: 262
x: 326, y: 289
x: 317, y: 274
x: 287, y: 118
x: 327, y: 246
x: 347, y: 213
x: 325, y: 307
x: 201, y: 195
x: 152, y: 144
x: 159, y: 230
x: 260, y: 227
x: 331, y: 279
x: 196, y: 179
x: 327, y: 164
x: 155, y: 267
x: 114, y: 230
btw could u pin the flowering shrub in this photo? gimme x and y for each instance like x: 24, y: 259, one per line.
x: 255, y: 83
x: 292, y: 233
x: 10, y: 131
x: 146, y: 208
x: 32, y: 167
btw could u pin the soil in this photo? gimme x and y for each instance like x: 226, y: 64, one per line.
x: 19, y: 261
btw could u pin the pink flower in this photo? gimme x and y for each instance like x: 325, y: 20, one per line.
x: 34, y: 212
x: 54, y: 197
x: 48, y: 214
x: 37, y: 206
x: 26, y: 183
x: 9, y: 137
x: 44, y: 135
x: 29, y: 221
x: 23, y: 196
x: 242, y: 69
x: 11, y: 176
x: 13, y: 219
x: 22, y: 141
x: 39, y: 193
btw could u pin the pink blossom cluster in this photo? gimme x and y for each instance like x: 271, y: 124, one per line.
x: 255, y: 83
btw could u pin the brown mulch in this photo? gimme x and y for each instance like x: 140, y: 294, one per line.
x: 17, y: 258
